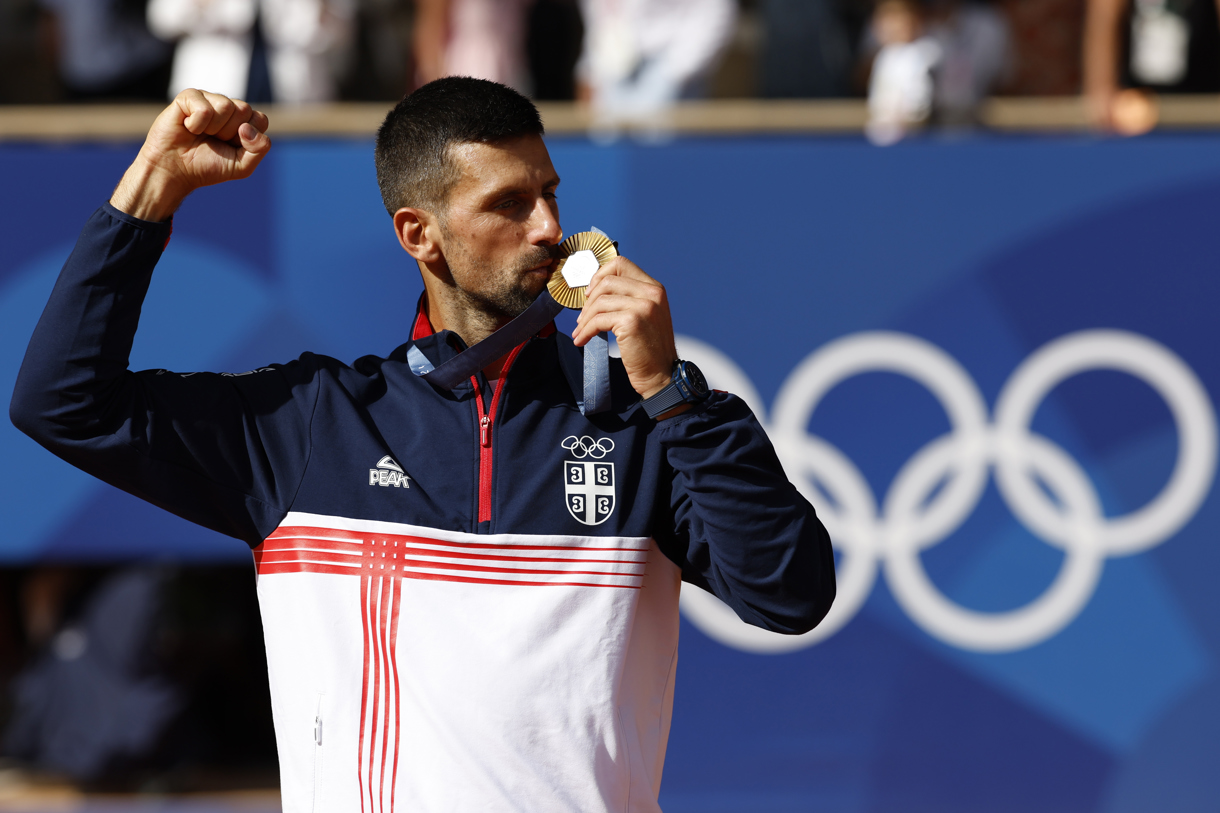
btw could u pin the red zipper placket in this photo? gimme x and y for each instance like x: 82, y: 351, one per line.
x: 487, y: 419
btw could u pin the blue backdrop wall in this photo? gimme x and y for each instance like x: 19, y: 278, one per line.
x: 989, y: 363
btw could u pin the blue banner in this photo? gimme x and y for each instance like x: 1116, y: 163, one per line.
x: 989, y: 363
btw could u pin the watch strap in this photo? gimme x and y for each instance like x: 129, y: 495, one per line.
x: 664, y: 400
x: 678, y: 391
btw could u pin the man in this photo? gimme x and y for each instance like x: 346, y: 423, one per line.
x: 469, y: 595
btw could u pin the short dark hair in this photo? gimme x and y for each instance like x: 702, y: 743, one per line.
x: 414, y: 165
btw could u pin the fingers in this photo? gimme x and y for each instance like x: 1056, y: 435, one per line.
x: 230, y: 115
x: 601, y: 323
x: 646, y: 288
x: 198, y: 110
x: 628, y: 305
x: 231, y: 121
x: 620, y: 267
x: 623, y: 300
x: 211, y: 114
x: 252, y: 139
x: 628, y: 308
x: 259, y: 121
x: 622, y: 276
x: 630, y: 289
x: 255, y: 145
x: 625, y: 317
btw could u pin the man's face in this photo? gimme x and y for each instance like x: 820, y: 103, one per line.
x: 502, y: 224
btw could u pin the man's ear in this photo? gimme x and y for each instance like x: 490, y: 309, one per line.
x: 418, y: 234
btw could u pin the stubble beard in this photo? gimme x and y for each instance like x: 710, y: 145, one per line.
x: 511, y: 293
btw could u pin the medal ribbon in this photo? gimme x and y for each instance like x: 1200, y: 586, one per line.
x: 596, y: 395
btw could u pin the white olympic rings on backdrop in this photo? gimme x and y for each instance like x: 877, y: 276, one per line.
x: 585, y: 446
x: 939, y: 487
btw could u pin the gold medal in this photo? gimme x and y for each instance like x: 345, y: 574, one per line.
x: 581, y: 255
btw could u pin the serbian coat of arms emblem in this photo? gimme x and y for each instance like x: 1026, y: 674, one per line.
x: 589, y: 484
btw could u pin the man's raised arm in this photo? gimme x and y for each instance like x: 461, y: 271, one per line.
x: 222, y: 451
x: 200, y: 139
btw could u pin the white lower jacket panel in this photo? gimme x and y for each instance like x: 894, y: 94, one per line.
x: 421, y: 670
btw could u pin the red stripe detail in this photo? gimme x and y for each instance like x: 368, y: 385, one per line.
x: 420, y: 563
x: 307, y: 555
x: 316, y: 556
x: 397, y: 601
x: 444, y: 577
x: 308, y: 567
x: 300, y: 567
x: 355, y: 544
x: 362, y: 538
x: 364, y: 686
x: 495, y: 557
x: 375, y: 607
x: 297, y: 549
x: 383, y: 627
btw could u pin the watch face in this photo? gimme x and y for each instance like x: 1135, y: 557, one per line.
x: 694, y: 378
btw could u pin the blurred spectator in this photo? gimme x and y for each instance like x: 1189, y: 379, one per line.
x: 105, y: 51
x: 807, y: 50
x: 975, y: 57
x: 90, y: 700
x: 215, y: 42
x: 640, y: 56
x: 307, y: 42
x: 27, y: 64
x: 1160, y: 45
x: 126, y: 677
x: 1046, y: 37
x: 480, y: 38
x: 900, y: 87
x: 553, y: 44
x: 935, y: 61
x: 381, y: 52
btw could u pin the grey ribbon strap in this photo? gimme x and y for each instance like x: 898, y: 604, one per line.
x: 596, y: 395
x: 597, y: 375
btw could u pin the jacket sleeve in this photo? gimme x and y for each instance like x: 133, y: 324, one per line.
x: 227, y: 452
x: 744, y: 532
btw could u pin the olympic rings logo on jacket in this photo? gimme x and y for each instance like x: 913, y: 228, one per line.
x: 585, y: 446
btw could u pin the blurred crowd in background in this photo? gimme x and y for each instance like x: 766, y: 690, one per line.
x: 132, y: 677
x: 917, y: 61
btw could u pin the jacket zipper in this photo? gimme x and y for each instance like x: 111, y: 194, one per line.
x: 486, y: 419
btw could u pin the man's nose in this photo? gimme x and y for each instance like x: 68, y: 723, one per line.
x: 544, y: 223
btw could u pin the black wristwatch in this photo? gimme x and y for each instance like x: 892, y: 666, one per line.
x: 686, y: 386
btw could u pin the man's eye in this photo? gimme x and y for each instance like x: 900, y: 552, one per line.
x: 506, y: 204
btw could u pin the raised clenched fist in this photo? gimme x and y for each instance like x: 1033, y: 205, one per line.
x: 200, y: 139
